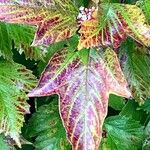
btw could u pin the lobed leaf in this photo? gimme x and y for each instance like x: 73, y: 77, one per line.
x: 83, y: 87
x: 15, y: 80
x: 54, y: 23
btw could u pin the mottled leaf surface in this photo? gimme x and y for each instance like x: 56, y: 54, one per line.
x: 138, y: 26
x: 55, y: 22
x: 83, y: 86
x: 15, y: 80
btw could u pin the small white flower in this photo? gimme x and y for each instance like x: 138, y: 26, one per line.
x: 81, y: 8
x: 79, y: 16
x: 83, y: 12
x: 90, y: 10
x: 93, y: 8
x: 89, y: 17
x: 84, y: 17
x: 90, y: 13
x: 86, y: 10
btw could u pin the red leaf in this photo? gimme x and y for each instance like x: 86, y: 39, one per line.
x: 93, y: 34
x: 53, y: 24
x: 83, y: 90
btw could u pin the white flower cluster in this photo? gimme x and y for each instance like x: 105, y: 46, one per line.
x: 85, y: 13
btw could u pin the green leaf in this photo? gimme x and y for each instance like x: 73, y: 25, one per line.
x: 5, y: 43
x: 47, y: 127
x: 136, y: 67
x: 131, y: 109
x: 146, y: 106
x: 146, y: 144
x: 9, y: 32
x: 122, y: 133
x: 15, y: 80
x: 80, y: 3
x: 116, y: 102
x: 3, y: 144
x: 145, y: 5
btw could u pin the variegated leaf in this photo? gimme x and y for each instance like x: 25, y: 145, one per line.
x: 111, y: 24
x: 83, y: 88
x: 102, y: 31
x: 138, y: 27
x: 54, y: 19
x: 46, y: 3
